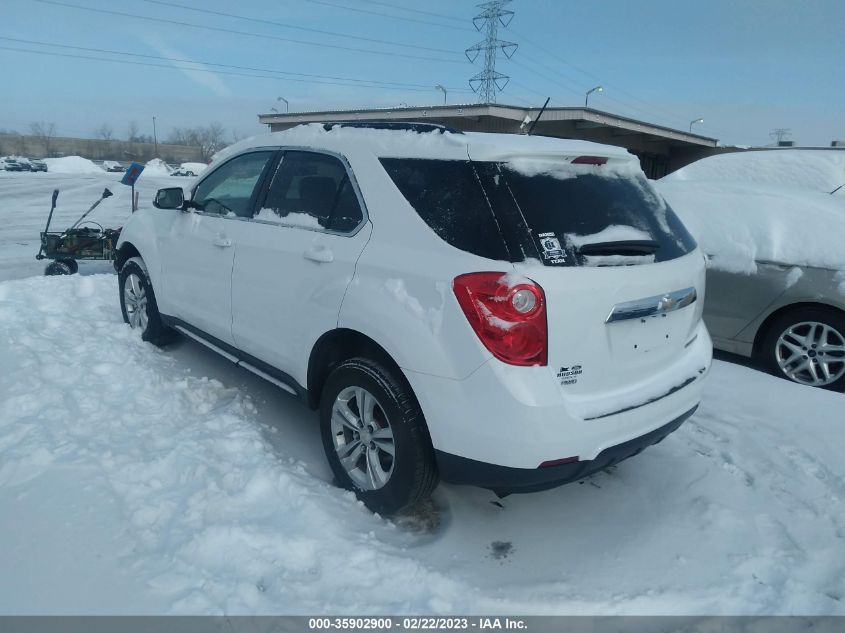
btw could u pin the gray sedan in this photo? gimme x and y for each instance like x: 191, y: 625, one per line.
x: 792, y: 318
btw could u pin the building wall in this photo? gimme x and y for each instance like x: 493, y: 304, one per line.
x: 96, y: 149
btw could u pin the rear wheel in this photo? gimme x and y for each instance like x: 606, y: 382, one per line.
x: 807, y: 346
x: 138, y: 302
x: 375, y: 437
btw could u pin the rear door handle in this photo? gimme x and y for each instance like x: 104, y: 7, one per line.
x: 319, y: 254
x: 222, y: 242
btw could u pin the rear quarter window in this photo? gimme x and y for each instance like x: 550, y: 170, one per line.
x: 449, y: 198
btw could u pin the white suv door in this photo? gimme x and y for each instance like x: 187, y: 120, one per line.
x: 296, y: 258
x: 198, y: 250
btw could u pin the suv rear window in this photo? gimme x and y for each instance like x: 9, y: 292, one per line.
x: 579, y: 209
x: 563, y: 216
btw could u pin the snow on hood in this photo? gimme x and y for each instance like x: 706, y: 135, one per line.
x: 817, y: 170
x: 738, y: 225
x: 72, y: 165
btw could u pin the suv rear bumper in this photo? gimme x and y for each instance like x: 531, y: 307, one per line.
x: 506, y: 480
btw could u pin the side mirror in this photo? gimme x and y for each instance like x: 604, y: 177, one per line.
x: 169, y: 198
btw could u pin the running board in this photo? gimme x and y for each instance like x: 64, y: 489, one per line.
x: 237, y: 361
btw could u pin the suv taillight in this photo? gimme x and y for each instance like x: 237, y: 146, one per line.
x: 507, y: 314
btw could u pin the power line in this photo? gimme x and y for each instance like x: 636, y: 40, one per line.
x: 392, y: 84
x: 420, y: 11
x: 652, y: 108
x: 246, y: 33
x: 296, y: 27
x: 206, y: 70
x: 387, y: 15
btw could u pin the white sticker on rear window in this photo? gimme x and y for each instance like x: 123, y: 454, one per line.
x: 552, y: 249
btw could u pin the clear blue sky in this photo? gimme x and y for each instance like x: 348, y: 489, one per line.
x: 745, y: 66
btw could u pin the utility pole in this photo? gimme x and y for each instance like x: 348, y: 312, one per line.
x: 155, y: 138
x: 488, y: 82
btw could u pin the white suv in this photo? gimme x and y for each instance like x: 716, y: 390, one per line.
x: 507, y: 311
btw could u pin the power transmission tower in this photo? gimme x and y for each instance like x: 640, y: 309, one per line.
x: 780, y: 134
x: 488, y: 82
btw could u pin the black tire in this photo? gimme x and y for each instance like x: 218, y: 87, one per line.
x: 154, y: 331
x: 830, y: 317
x: 61, y: 267
x: 414, y: 472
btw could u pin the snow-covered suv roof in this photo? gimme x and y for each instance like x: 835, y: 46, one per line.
x: 436, y: 143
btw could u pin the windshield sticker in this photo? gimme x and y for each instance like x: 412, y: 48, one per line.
x: 552, y: 249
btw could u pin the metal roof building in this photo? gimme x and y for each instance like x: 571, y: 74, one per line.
x: 660, y: 149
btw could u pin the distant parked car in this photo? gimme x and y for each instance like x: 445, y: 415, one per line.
x: 776, y: 257
x: 112, y: 166
x: 37, y: 165
x: 24, y: 163
x: 12, y: 164
x: 181, y: 171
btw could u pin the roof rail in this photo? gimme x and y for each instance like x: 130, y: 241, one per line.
x: 381, y: 124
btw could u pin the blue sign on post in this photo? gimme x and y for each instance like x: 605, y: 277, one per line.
x: 129, y: 178
x: 132, y: 172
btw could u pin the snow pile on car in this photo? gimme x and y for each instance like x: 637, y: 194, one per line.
x: 72, y: 165
x: 738, y: 225
x: 196, y: 168
x: 816, y: 170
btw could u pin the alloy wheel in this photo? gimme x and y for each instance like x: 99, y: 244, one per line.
x: 363, y: 438
x: 135, y: 300
x: 811, y: 353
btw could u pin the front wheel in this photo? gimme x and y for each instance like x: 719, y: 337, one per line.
x: 807, y: 346
x: 375, y: 437
x: 61, y: 267
x: 138, y: 302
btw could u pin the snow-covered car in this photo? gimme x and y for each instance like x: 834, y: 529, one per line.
x: 11, y: 163
x: 771, y: 224
x: 507, y: 311
x: 112, y: 166
x: 37, y: 165
x: 182, y: 171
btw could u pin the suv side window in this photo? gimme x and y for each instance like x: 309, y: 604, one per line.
x: 227, y: 191
x: 313, y: 191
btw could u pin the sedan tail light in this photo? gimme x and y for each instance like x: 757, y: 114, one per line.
x: 508, y: 314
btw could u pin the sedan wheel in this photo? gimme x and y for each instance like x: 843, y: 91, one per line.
x: 811, y: 353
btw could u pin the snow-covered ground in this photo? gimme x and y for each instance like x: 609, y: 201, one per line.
x: 139, y: 480
x: 25, y: 205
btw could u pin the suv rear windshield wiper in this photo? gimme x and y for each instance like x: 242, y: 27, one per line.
x: 630, y: 248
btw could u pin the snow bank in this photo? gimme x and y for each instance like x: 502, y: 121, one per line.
x: 209, y: 494
x: 156, y: 167
x: 740, y: 224
x: 817, y: 170
x: 72, y: 165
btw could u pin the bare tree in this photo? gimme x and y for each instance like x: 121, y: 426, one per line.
x: 209, y: 139
x: 104, y: 132
x: 44, y: 132
x: 133, y: 130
